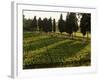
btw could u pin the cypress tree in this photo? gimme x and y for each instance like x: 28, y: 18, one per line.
x: 75, y: 24
x: 40, y: 24
x: 67, y: 23
x: 61, y: 24
x: 54, y: 25
x: 34, y: 24
x: 85, y: 24
x: 88, y: 24
x: 71, y: 23
x: 27, y: 24
x: 49, y: 25
x: 45, y: 25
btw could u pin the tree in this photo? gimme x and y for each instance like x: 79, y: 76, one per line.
x: 54, y: 25
x: 34, y: 24
x: 45, y: 24
x: 71, y: 24
x: 75, y: 24
x: 49, y: 25
x: 40, y: 24
x: 67, y: 26
x: 27, y: 24
x: 61, y: 24
x: 85, y: 24
x: 88, y: 24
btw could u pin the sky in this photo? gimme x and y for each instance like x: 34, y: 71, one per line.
x: 42, y: 14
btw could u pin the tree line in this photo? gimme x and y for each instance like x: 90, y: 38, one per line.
x: 70, y: 25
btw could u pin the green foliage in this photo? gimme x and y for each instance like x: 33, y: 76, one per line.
x: 85, y: 24
x: 45, y: 25
x: 40, y: 24
x: 54, y: 25
x: 27, y: 24
x: 49, y: 25
x: 71, y: 23
x: 34, y: 24
x: 61, y: 24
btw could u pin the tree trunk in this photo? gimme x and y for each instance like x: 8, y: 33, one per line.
x: 72, y: 36
x: 87, y: 36
x: 69, y: 36
x: 83, y: 39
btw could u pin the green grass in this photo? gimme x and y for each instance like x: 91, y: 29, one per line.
x: 44, y: 51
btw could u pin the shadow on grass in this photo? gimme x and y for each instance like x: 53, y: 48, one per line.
x: 33, y: 39
x: 33, y: 45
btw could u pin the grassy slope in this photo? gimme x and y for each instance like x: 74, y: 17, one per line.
x: 42, y: 50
